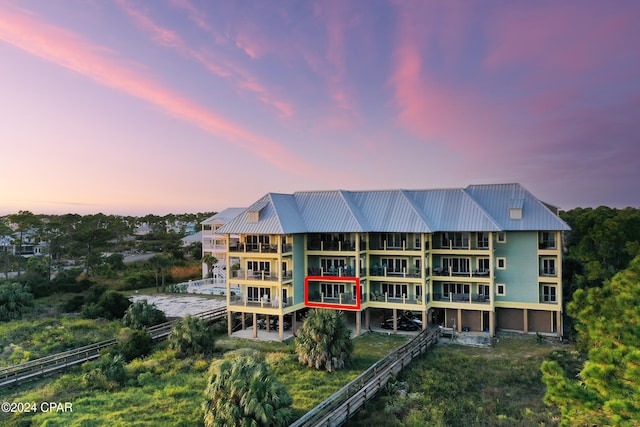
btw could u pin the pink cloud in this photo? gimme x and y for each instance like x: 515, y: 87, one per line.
x: 225, y: 69
x: 560, y: 40
x: 66, y: 49
x: 430, y: 106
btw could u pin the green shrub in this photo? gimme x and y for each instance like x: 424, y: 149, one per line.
x: 133, y: 343
x: 141, y: 315
x: 73, y: 304
x: 191, y: 336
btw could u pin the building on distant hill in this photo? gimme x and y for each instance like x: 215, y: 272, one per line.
x: 481, y: 258
x: 215, y: 244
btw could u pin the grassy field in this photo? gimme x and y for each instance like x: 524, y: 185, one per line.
x: 457, y: 385
x: 164, y: 390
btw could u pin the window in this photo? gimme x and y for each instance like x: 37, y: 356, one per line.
x: 548, y: 266
x: 547, y: 240
x: 549, y: 294
x: 501, y: 263
x: 501, y: 289
x: 257, y: 294
x: 483, y: 290
x: 254, y: 241
x: 454, y: 288
x: 394, y: 290
x: 483, y: 265
x: 501, y: 237
x: 259, y: 266
x: 394, y: 265
x: 418, y: 291
x: 457, y: 240
x: 332, y: 290
x: 483, y: 240
x: 456, y: 265
x: 392, y: 241
x: 332, y: 264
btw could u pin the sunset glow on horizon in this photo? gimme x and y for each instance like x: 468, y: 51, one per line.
x: 134, y: 107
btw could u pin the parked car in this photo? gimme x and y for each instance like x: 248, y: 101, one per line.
x: 403, y: 324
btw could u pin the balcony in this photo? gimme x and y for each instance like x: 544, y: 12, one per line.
x: 263, y: 248
x: 439, y: 271
x: 335, y: 272
x: 395, y: 272
x: 264, y: 302
x: 345, y: 299
x: 462, y: 298
x: 254, y: 275
x: 332, y: 246
x: 380, y: 297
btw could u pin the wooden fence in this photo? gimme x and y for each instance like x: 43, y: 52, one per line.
x: 57, y: 362
x: 343, y: 404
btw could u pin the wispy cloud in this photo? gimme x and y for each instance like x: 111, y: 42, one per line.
x: 242, y: 78
x: 62, y: 47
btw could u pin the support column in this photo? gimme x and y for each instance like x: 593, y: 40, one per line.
x: 281, y: 327
x: 459, y: 320
x: 559, y: 323
x: 367, y: 319
x: 358, y: 321
x: 492, y: 329
x: 395, y: 320
x: 525, y: 314
x: 268, y: 325
x: 424, y: 320
x: 294, y: 325
x: 255, y: 325
x: 244, y: 323
x: 229, y: 322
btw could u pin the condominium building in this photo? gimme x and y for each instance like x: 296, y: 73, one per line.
x: 215, y: 244
x: 480, y: 258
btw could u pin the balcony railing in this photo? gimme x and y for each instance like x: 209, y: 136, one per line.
x: 402, y: 299
x: 263, y: 302
x: 254, y: 275
x: 334, y: 245
x: 462, y: 298
x: 336, y: 272
x: 395, y: 272
x: 254, y: 248
x: 439, y: 271
x: 344, y: 298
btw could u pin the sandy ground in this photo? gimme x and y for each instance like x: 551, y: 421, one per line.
x: 181, y: 305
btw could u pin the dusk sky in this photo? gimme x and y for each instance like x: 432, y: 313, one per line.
x: 134, y: 107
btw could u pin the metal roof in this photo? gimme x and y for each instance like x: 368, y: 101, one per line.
x: 496, y: 199
x: 224, y: 216
x: 476, y: 208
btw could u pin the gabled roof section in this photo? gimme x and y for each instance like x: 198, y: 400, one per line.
x: 267, y: 220
x: 498, y: 199
x: 328, y: 212
x: 224, y: 216
x: 390, y: 211
x: 287, y: 212
x: 452, y: 210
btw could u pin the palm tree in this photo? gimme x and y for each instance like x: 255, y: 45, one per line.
x: 160, y: 263
x: 191, y: 336
x: 141, y: 315
x: 242, y: 392
x: 210, y: 260
x: 324, y: 340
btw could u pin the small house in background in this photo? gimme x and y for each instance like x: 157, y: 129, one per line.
x: 215, y: 244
